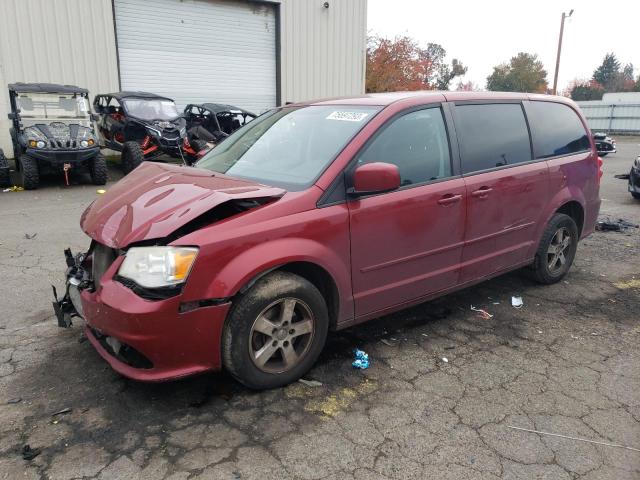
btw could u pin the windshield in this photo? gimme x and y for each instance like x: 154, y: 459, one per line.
x: 52, y: 105
x: 289, y: 147
x: 151, y: 109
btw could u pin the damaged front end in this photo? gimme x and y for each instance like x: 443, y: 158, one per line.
x: 77, y: 278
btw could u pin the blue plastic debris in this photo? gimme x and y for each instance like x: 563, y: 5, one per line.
x: 361, y: 361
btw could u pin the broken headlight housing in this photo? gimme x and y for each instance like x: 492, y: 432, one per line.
x: 156, y: 267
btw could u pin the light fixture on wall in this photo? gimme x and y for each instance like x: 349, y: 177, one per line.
x: 325, y: 4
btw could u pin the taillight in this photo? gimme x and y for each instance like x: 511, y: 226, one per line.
x: 600, y: 172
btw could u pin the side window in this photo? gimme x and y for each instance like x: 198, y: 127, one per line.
x: 417, y: 143
x: 557, y: 129
x: 492, y: 135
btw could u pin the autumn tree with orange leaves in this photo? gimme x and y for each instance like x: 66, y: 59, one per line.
x: 401, y: 64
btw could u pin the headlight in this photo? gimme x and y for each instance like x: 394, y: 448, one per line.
x: 155, y: 132
x: 84, y: 144
x: 40, y: 144
x: 154, y: 267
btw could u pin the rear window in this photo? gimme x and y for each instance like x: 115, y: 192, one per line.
x: 492, y: 135
x: 557, y: 130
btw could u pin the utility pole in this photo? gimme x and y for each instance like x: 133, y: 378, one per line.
x: 555, y: 76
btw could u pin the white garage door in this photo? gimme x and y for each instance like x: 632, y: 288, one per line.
x: 197, y: 51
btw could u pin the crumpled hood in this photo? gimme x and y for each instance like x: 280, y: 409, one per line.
x: 156, y: 199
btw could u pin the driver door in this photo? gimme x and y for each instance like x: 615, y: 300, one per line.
x: 407, y: 244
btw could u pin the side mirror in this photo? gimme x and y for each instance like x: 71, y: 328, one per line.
x: 12, y: 116
x: 374, y: 177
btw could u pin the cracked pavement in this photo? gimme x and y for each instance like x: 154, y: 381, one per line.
x: 568, y: 362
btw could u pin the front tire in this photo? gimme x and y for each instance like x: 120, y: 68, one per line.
x: 635, y: 195
x: 275, y: 332
x: 98, y: 170
x: 29, y: 172
x: 5, y: 172
x: 131, y: 156
x: 557, y: 249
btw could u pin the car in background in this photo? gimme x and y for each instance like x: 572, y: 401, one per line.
x: 318, y: 216
x: 604, y: 144
x: 634, y: 179
x: 52, y: 131
x: 142, y: 126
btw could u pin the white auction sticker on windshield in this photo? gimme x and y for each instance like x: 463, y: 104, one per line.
x: 347, y: 116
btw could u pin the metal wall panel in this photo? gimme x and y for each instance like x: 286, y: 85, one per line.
x: 197, y: 51
x: 323, y: 49
x: 612, y: 117
x: 56, y: 41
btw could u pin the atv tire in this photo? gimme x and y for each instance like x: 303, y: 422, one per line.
x: 131, y: 156
x: 29, y: 172
x: 98, y: 170
x: 5, y: 174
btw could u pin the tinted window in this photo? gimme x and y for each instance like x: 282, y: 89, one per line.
x: 557, y: 130
x: 417, y: 143
x: 491, y: 135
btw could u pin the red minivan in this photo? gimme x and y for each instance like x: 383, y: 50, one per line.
x: 322, y: 215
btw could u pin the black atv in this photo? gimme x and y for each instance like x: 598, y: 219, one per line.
x: 52, y: 130
x: 5, y: 173
x: 210, y: 123
x: 143, y: 126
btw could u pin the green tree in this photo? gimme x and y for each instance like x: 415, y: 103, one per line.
x: 586, y: 90
x: 608, y: 73
x: 523, y: 73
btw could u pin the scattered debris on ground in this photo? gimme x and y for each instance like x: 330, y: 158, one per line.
x: 15, y: 188
x: 310, y: 383
x: 386, y: 342
x: 361, y: 359
x: 30, y: 236
x: 13, y: 401
x: 483, y: 313
x: 606, y: 444
x: 516, y: 302
x: 445, y: 359
x: 619, y: 225
x: 62, y: 412
x: 622, y: 176
x: 29, y: 453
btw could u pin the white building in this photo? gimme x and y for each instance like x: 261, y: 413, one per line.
x: 253, y: 54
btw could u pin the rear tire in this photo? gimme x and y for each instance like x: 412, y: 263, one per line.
x: 98, y: 170
x: 29, y: 172
x: 260, y: 345
x: 557, y: 249
x: 5, y: 173
x: 635, y: 195
x: 131, y: 156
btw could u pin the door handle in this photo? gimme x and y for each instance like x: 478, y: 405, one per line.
x: 449, y: 198
x: 482, y: 192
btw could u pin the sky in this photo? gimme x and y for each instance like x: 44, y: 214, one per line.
x: 483, y: 34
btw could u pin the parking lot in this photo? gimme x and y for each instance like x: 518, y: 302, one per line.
x: 444, y: 387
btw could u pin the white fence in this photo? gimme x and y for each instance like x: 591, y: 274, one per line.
x: 604, y: 116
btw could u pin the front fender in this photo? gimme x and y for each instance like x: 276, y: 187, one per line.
x: 260, y: 258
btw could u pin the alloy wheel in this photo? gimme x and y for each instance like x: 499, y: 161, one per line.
x: 281, y: 335
x: 558, y: 250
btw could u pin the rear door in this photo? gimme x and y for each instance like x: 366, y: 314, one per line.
x: 407, y: 244
x: 506, y: 189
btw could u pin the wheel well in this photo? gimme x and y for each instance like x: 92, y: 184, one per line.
x: 322, y: 280
x: 575, y: 211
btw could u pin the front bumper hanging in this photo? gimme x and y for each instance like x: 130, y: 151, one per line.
x: 77, y: 279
